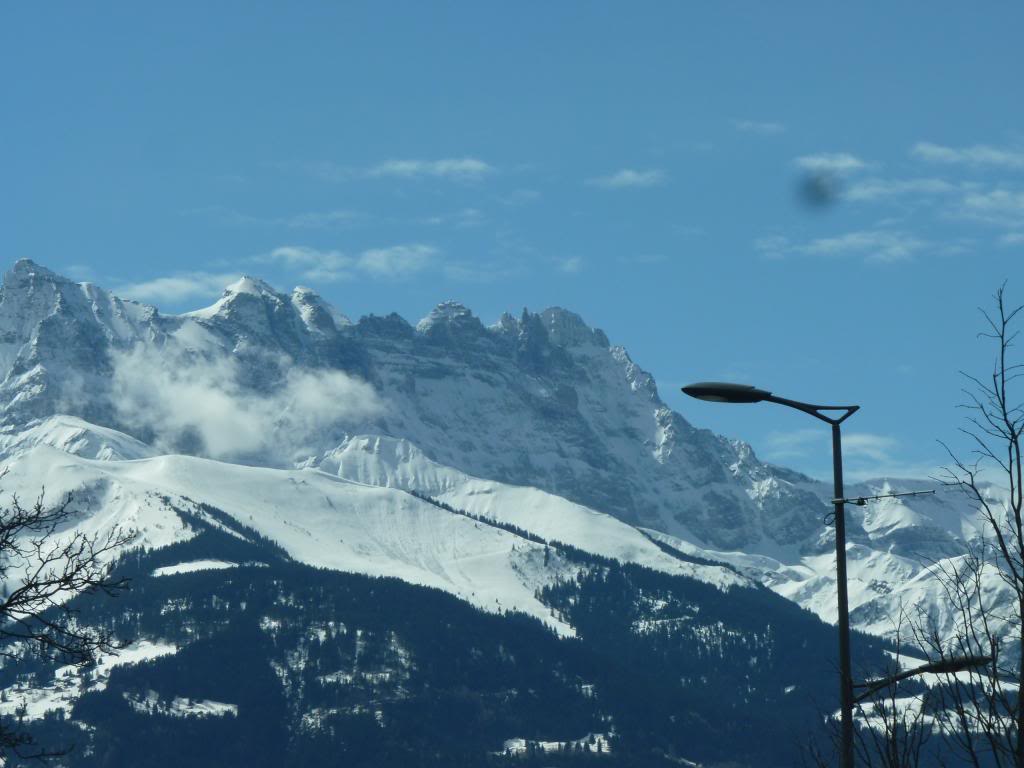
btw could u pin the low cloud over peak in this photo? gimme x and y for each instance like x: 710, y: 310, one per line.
x: 393, y: 262
x: 200, y: 406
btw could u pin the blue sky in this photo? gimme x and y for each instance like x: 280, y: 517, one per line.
x: 637, y: 163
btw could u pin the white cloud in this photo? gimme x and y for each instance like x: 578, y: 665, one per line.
x: 809, y: 441
x: 320, y: 219
x: 644, y: 258
x: 329, y: 266
x: 312, y: 263
x: 83, y: 272
x: 773, y: 246
x: 866, y: 456
x: 759, y: 127
x: 454, y: 168
x: 830, y: 162
x: 397, y: 261
x: 1012, y: 238
x: 176, y: 288
x: 872, y: 245
x: 1004, y: 207
x: 520, y: 197
x: 876, y: 189
x: 201, y: 407
x: 628, y: 177
x: 979, y: 155
x: 878, y: 448
x: 482, y: 271
x: 465, y: 218
x: 304, y: 220
x: 571, y: 265
x: 796, y: 444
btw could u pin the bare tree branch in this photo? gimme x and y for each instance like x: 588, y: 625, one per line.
x: 45, y: 562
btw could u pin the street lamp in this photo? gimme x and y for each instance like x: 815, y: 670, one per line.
x: 720, y: 392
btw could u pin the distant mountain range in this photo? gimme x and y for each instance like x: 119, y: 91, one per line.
x: 279, y: 460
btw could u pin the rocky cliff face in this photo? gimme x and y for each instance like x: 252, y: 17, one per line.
x: 540, y: 400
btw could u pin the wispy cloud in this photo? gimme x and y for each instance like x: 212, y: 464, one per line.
x: 314, y: 264
x: 202, y: 407
x: 321, y: 219
x: 761, y: 128
x: 453, y: 168
x: 830, y: 162
x: 83, y: 272
x: 395, y: 262
x: 877, y: 448
x: 328, y: 266
x: 1012, y: 238
x: 795, y: 444
x: 643, y: 258
x: 877, y: 189
x: 465, y: 218
x: 977, y: 156
x: 303, y: 220
x: 806, y: 442
x: 460, y: 169
x: 481, y: 272
x: 519, y: 197
x: 630, y: 178
x: 1003, y: 207
x: 178, y: 287
x: 866, y: 456
x: 884, y: 246
x: 571, y: 265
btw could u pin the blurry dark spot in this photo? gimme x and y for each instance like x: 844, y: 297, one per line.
x: 819, y: 189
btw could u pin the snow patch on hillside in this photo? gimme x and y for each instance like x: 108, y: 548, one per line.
x: 31, y: 699
x: 193, y: 566
x: 179, y: 706
x: 596, y: 743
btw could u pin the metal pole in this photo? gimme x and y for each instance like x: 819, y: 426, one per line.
x: 845, y: 673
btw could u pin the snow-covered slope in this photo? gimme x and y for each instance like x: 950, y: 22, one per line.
x: 336, y: 522
x: 383, y: 461
x: 536, y: 421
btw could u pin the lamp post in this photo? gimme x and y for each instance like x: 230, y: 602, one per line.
x: 720, y: 392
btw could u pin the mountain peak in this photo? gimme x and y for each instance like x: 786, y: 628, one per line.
x: 566, y: 328
x: 28, y: 269
x: 249, y: 284
x: 446, y: 313
x: 245, y: 286
x: 316, y: 313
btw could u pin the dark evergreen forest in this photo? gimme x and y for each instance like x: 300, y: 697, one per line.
x: 336, y: 669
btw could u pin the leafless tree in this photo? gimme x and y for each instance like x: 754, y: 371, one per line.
x: 892, y: 726
x: 44, y: 563
x: 979, y: 709
x: 896, y: 725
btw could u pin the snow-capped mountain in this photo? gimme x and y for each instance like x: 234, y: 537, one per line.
x: 541, y: 400
x: 536, y: 421
x: 291, y: 464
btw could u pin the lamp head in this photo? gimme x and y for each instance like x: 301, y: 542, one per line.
x: 721, y: 392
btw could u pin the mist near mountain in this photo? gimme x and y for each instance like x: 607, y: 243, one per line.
x: 185, y: 404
